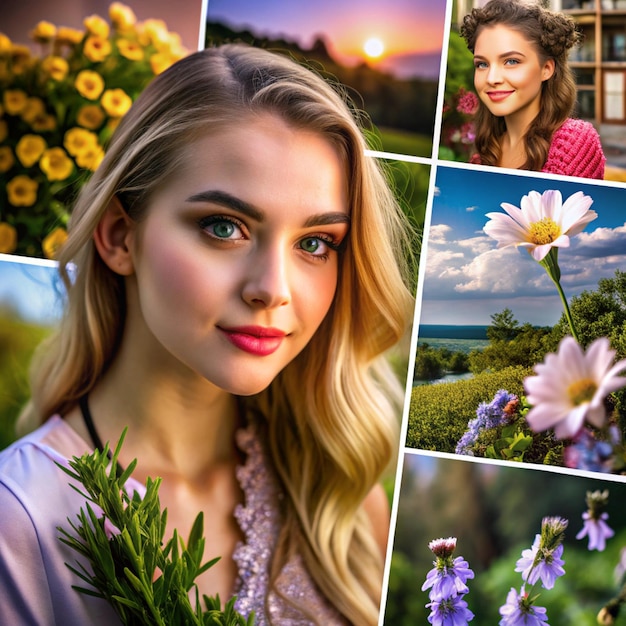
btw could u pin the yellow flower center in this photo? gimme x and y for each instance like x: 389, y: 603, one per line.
x: 582, y: 391
x: 544, y: 231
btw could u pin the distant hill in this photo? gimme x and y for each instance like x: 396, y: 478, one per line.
x: 442, y: 331
x: 395, y: 102
x: 418, y: 64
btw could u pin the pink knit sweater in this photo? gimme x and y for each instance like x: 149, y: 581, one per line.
x: 575, y: 151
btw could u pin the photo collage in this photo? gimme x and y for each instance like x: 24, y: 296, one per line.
x: 489, y: 420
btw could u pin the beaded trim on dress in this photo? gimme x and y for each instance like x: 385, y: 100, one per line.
x: 260, y: 521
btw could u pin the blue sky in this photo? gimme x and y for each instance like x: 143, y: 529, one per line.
x: 467, y: 278
x: 404, y: 26
x: 31, y: 288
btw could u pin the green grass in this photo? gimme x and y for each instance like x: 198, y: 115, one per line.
x: 17, y: 342
x: 439, y: 414
x: 402, y: 142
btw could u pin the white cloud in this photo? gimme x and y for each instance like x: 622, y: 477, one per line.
x: 475, y: 267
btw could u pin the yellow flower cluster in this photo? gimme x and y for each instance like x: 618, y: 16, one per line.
x: 58, y: 110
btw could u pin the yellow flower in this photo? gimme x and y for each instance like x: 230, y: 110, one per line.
x: 90, y: 116
x: 89, y: 84
x: 19, y: 52
x: 96, y: 49
x: 5, y: 43
x: 44, y: 32
x: 29, y: 149
x: 116, y: 102
x: 90, y: 158
x: 8, y: 238
x: 45, y: 122
x: 95, y: 25
x: 6, y: 159
x: 55, y: 164
x: 53, y: 242
x: 56, y: 67
x: 22, y: 191
x: 68, y: 36
x: 155, y: 32
x: 160, y: 61
x: 21, y: 59
x: 33, y: 109
x: 78, y: 140
x: 130, y: 49
x: 14, y: 101
x: 112, y: 124
x: 4, y: 130
x: 122, y: 16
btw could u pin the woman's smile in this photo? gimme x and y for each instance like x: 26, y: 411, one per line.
x: 237, y: 260
x: 258, y: 340
x: 509, y: 74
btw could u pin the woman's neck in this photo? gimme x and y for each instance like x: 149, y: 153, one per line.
x: 178, y: 423
x: 513, y: 144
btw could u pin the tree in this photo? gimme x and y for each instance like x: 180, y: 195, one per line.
x: 504, y: 326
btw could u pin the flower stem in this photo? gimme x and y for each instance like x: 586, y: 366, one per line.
x: 568, y: 314
x: 551, y: 265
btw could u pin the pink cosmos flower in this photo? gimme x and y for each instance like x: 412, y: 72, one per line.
x: 543, y: 222
x: 571, y: 386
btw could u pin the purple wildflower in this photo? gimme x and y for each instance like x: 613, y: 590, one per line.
x: 488, y: 415
x: 519, y: 611
x: 448, y: 581
x: 546, y: 567
x: 448, y: 577
x: 543, y: 561
x: 449, y: 612
x: 597, y: 530
x: 588, y: 453
x: 595, y: 526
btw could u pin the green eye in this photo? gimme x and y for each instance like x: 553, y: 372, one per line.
x: 223, y: 230
x: 311, y: 244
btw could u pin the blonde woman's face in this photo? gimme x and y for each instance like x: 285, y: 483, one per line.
x: 508, y: 73
x: 236, y: 261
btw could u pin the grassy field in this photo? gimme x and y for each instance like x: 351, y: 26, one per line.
x: 401, y: 142
x: 17, y: 342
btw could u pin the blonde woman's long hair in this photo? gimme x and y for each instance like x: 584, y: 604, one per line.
x: 331, y: 414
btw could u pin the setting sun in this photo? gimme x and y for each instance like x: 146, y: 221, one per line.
x: 374, y: 47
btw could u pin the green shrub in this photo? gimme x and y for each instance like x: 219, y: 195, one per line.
x: 439, y: 414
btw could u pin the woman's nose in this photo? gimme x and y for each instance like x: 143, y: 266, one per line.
x: 494, y: 75
x: 267, y: 281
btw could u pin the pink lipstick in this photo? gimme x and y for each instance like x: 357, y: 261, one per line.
x: 257, y: 340
x: 498, y: 96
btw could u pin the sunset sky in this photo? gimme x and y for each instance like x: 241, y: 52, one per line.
x: 403, y: 27
x: 468, y: 278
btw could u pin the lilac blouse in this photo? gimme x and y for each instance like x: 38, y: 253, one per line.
x: 35, y: 499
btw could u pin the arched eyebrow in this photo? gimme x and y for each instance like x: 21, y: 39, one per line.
x: 227, y: 200
x: 478, y: 57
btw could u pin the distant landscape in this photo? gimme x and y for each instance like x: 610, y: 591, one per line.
x: 392, y: 100
x: 449, y: 331
x: 454, y: 338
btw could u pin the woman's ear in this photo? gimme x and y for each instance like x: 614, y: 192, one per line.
x: 113, y: 238
x: 547, y: 70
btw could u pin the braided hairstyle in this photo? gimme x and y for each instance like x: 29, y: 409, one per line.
x: 553, y: 35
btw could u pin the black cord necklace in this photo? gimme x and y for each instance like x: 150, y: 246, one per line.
x: 93, y: 433
x: 91, y: 428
